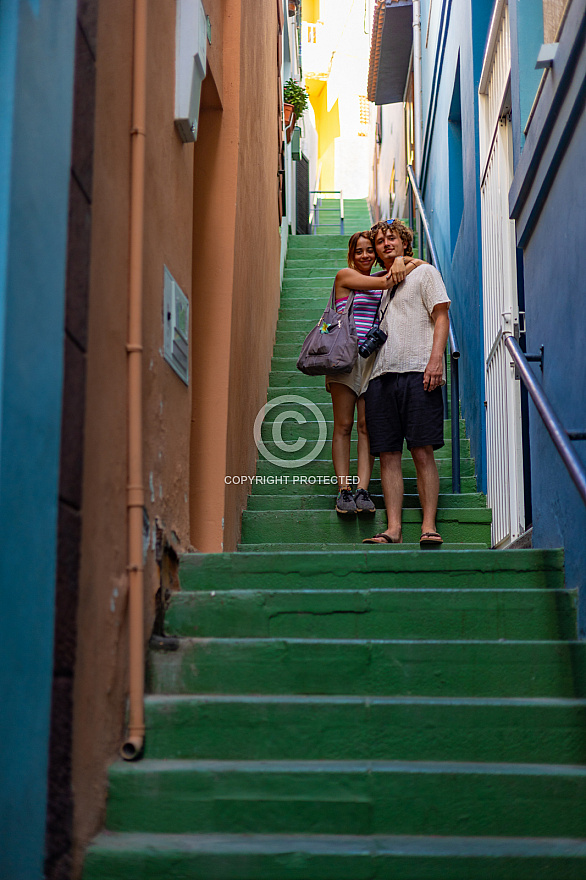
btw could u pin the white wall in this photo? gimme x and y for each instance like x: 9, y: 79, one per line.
x: 391, y: 150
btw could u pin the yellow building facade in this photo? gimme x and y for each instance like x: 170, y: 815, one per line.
x: 335, y: 44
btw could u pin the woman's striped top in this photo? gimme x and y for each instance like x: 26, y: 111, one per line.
x: 364, y: 310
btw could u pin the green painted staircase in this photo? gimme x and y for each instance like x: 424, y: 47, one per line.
x: 327, y: 710
x: 356, y: 216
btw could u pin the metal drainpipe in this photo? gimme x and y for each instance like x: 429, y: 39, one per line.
x: 417, y: 111
x: 132, y: 747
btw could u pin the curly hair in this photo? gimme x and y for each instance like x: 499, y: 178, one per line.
x: 398, y: 227
x: 353, y: 244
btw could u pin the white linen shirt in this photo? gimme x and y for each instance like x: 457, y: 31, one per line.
x: 408, y: 323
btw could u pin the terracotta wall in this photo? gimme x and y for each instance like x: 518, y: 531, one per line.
x: 211, y: 217
x: 99, y: 680
x: 101, y: 673
x: 235, y: 269
x: 256, y: 297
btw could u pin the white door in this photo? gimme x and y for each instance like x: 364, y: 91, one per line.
x: 501, y: 312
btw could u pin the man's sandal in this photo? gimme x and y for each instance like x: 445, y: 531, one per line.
x: 430, y: 539
x: 385, y: 539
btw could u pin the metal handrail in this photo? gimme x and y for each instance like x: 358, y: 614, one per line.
x: 557, y: 432
x: 453, y: 346
x: 315, y: 208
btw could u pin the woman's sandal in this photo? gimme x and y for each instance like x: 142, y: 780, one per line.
x: 386, y: 539
x: 430, y: 539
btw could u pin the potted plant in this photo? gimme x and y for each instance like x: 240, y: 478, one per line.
x: 295, y: 103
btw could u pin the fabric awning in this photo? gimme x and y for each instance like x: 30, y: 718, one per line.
x: 390, y: 51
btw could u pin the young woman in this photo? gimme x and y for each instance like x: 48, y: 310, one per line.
x: 347, y: 389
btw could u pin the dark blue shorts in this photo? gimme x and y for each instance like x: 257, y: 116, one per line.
x: 399, y: 409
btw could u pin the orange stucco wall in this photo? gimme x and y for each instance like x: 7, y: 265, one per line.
x: 235, y: 271
x: 256, y: 272
x: 211, y: 217
x: 101, y: 652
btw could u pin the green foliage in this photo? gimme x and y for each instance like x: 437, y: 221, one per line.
x: 294, y: 93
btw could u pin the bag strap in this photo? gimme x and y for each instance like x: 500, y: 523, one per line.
x: 332, y: 301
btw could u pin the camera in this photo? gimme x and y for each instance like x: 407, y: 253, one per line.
x: 372, y: 342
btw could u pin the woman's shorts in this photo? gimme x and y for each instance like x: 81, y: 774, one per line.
x: 398, y: 409
x: 358, y: 379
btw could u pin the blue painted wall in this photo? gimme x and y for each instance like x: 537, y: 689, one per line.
x: 547, y: 201
x: 452, y: 45
x: 36, y: 80
x: 526, y: 25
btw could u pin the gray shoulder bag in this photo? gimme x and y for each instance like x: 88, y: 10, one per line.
x: 332, y: 346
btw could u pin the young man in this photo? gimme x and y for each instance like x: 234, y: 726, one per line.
x: 404, y: 397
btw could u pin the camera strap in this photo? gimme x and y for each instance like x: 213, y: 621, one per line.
x: 376, y: 317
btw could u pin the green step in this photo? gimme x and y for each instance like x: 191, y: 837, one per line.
x: 315, y: 287
x: 314, y: 390
x: 347, y: 797
x: 295, y: 326
x: 324, y: 270
x: 293, y: 378
x: 298, y: 243
x: 326, y: 502
x: 301, y: 489
x: 318, y: 257
x: 381, y: 667
x: 377, y: 613
x: 315, y: 395
x: 301, y: 307
x: 292, y: 473
x: 330, y: 546
x: 540, y: 730
x: 152, y: 856
x: 310, y: 429
x: 456, y: 525
x: 278, y: 570
x: 291, y: 432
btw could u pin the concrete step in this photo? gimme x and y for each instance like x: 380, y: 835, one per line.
x: 293, y: 378
x: 319, y: 290
x: 296, y: 325
x: 327, y: 501
x: 277, y: 570
x: 313, y: 390
x: 347, y: 797
x: 325, y: 269
x: 332, y: 546
x: 291, y: 432
x: 150, y: 856
x: 300, y: 485
x: 456, y: 525
x: 317, y: 257
x: 321, y: 468
x: 540, y: 730
x: 383, y: 667
x: 301, y: 307
x: 304, y: 401
x: 298, y: 243
x: 357, y: 611
x: 311, y: 430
